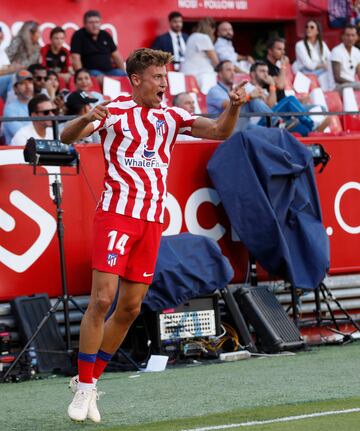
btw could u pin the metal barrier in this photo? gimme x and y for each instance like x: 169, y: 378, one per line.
x: 268, y: 115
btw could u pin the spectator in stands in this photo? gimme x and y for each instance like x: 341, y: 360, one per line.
x: 6, y: 70
x: 52, y: 84
x: 39, y: 74
x: 174, y: 41
x: 24, y: 48
x: 200, y: 55
x: 277, y: 62
x: 79, y: 103
x: 24, y: 91
x: 260, y: 77
x: 345, y: 60
x: 225, y: 49
x: 313, y: 56
x: 185, y: 101
x: 53, y: 90
x: 217, y: 98
x: 55, y: 56
x: 83, y: 83
x: 94, y: 49
x: 38, y: 106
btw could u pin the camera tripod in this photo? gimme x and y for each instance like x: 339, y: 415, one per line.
x: 328, y: 298
x: 64, y: 299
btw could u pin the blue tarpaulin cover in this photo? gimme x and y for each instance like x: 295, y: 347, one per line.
x: 265, y: 180
x: 188, y: 266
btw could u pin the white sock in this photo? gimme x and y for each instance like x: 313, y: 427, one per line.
x: 85, y: 386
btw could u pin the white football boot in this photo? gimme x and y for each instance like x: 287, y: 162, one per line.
x: 93, y: 411
x: 79, y: 407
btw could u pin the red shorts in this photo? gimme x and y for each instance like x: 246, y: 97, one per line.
x: 126, y: 246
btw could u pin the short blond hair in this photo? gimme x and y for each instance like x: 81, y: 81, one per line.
x: 142, y: 58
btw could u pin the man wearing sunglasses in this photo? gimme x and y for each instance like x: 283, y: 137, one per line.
x: 39, y: 106
x: 39, y: 74
x: 345, y: 60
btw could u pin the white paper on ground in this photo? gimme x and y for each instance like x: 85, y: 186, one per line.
x: 176, y: 82
x: 156, y: 363
x: 111, y: 87
x: 301, y: 83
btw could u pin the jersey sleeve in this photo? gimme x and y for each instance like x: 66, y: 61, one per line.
x: 98, y: 125
x: 106, y: 122
x: 185, y: 120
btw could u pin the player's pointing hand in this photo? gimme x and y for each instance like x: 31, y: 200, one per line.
x: 99, y: 112
x: 238, y: 95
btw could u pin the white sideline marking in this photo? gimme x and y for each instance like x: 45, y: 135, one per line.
x: 272, y: 421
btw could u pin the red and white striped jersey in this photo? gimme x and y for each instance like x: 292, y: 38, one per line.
x: 137, y: 144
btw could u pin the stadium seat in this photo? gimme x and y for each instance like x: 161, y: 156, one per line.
x: 334, y: 104
x: 335, y: 125
x: 314, y: 81
x: 351, y: 123
x: 357, y: 97
x: 125, y: 85
x: 289, y: 76
x: 333, y: 101
x: 95, y: 85
x: 207, y: 81
x: 176, y: 83
x: 191, y: 85
x: 313, y: 84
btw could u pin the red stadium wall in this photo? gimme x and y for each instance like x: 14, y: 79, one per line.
x: 135, y: 23
x: 29, y: 256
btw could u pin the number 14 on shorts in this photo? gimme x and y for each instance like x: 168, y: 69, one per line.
x: 117, y: 241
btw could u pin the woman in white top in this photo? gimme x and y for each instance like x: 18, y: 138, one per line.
x: 200, y: 55
x: 313, y: 56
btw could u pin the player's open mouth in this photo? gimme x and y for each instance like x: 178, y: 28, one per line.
x: 160, y: 95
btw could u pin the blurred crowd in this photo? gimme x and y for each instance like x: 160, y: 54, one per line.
x: 52, y: 80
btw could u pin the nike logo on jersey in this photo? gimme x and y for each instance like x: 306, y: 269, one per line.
x: 126, y: 130
x: 147, y: 275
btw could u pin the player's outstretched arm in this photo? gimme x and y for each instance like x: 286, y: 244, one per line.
x: 221, y: 127
x: 82, y: 126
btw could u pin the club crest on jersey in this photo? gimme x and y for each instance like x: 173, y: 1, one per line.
x: 160, y: 127
x: 111, y: 259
